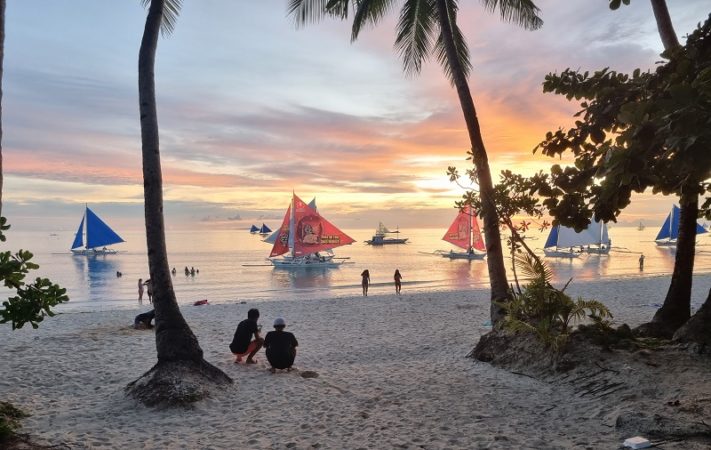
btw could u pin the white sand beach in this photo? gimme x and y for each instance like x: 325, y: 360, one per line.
x: 393, y: 373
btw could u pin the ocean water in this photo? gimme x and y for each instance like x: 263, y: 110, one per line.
x: 232, y: 266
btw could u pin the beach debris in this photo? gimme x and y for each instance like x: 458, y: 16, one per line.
x: 309, y: 374
x: 637, y: 442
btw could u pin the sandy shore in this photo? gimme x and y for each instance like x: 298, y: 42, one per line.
x: 392, y: 374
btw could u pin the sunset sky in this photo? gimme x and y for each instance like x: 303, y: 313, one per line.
x: 251, y: 107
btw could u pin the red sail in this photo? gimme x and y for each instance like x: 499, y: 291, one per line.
x: 477, y: 241
x: 464, y: 226
x: 281, y: 245
x: 458, y: 233
x: 313, y: 233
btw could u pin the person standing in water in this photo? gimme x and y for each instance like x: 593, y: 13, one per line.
x: 641, y: 261
x: 398, y: 283
x: 366, y: 282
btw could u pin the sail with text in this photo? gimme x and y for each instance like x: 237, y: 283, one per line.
x: 304, y: 231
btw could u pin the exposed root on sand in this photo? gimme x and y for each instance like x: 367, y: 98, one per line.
x: 178, y: 383
x: 657, y: 389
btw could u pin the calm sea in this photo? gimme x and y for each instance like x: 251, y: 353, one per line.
x: 221, y: 256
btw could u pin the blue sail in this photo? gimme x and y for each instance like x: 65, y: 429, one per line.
x: 98, y: 234
x: 78, y: 239
x: 700, y: 229
x: 665, y: 231
x: 253, y: 229
x: 552, y: 240
x: 265, y: 229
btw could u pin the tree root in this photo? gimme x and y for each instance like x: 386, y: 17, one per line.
x: 177, y: 383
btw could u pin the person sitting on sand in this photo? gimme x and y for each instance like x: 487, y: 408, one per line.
x: 280, y: 347
x: 143, y: 321
x: 242, y: 343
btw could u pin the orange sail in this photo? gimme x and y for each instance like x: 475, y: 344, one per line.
x: 313, y: 233
x: 464, y: 231
x: 303, y: 231
x: 281, y: 244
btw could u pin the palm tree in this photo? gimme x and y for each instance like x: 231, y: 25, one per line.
x: 179, y: 353
x: 427, y: 26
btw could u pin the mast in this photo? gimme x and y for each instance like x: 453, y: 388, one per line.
x: 469, y: 222
x: 292, y: 223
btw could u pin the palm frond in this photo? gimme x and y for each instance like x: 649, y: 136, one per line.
x: 171, y: 11
x: 415, y: 29
x: 531, y: 268
x: 368, y: 11
x: 309, y: 11
x: 523, y: 13
x: 460, y: 45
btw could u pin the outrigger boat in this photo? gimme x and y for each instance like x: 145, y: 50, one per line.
x: 464, y: 232
x: 265, y: 230
x: 305, y: 236
x: 98, y: 236
x: 565, y: 242
x: 381, y: 237
x: 254, y: 229
x: 669, y: 232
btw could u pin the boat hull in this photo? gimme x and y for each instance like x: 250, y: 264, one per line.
x: 94, y: 251
x: 306, y: 262
x: 464, y: 255
x: 386, y: 241
x: 555, y: 253
x: 666, y: 243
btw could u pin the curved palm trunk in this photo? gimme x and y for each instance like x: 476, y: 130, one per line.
x: 494, y: 251
x: 174, y: 339
x: 664, y: 24
x: 2, y: 58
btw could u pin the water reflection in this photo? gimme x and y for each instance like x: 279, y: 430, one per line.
x: 467, y: 273
x: 311, y: 278
x: 97, y: 271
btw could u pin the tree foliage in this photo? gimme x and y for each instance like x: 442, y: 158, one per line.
x: 31, y: 302
x: 638, y: 131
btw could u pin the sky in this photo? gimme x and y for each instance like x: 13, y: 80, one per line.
x: 252, y: 107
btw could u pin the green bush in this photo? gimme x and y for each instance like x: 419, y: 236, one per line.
x: 544, y: 310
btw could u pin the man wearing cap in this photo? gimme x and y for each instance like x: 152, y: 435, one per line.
x: 280, y: 346
x: 242, y: 343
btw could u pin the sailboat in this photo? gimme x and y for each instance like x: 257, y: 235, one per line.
x: 565, y: 242
x: 264, y: 230
x: 98, y: 236
x: 464, y: 233
x: 254, y: 229
x: 669, y: 232
x: 303, y: 235
x: 640, y: 227
x: 381, y: 236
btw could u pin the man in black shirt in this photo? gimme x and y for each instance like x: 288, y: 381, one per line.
x: 242, y: 343
x: 281, y: 346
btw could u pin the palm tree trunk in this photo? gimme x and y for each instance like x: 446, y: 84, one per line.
x: 677, y: 305
x: 2, y: 58
x: 175, y: 340
x: 664, y: 24
x: 494, y: 251
x: 697, y: 328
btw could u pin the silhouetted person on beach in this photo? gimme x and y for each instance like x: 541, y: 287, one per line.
x: 173, y: 271
x: 641, y: 261
x: 192, y: 271
x: 149, y: 290
x: 143, y: 321
x: 140, y: 290
x: 366, y: 282
x: 398, y: 283
x: 242, y: 343
x: 280, y: 346
x: 187, y: 271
